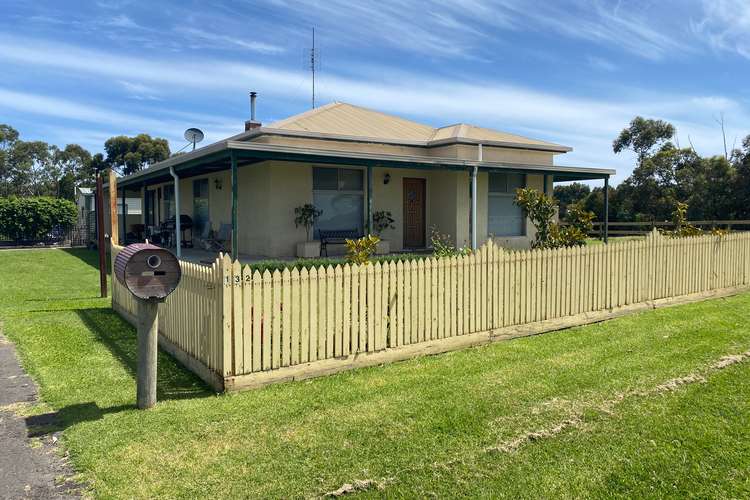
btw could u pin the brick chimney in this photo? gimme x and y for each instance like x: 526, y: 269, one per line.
x: 252, y: 123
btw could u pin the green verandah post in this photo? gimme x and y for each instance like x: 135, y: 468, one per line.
x: 606, y: 209
x: 235, y: 252
x: 369, y: 199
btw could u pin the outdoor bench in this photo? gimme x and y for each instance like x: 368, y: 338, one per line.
x: 335, y: 237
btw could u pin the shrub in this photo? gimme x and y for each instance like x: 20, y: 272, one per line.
x: 274, y: 265
x: 382, y: 220
x: 360, y: 250
x: 306, y: 215
x: 443, y: 247
x: 541, y: 209
x: 35, y: 217
x: 579, y: 225
x: 682, y: 228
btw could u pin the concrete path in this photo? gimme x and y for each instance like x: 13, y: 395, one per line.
x: 27, y: 469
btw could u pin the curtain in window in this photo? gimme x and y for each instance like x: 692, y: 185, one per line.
x: 504, y: 217
x: 338, y: 192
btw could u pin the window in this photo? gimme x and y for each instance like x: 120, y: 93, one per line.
x: 200, y: 205
x: 151, y: 207
x: 338, y: 192
x: 505, y: 218
x: 169, y: 207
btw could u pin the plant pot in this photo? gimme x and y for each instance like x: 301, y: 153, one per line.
x: 308, y: 249
x: 383, y: 247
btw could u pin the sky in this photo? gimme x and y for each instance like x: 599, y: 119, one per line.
x: 571, y: 72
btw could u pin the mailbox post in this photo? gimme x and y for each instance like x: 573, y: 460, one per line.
x: 150, y: 273
x: 148, y: 345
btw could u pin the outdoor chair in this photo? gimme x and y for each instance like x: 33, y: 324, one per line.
x: 218, y: 242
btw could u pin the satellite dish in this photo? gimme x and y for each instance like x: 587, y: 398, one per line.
x: 194, y: 136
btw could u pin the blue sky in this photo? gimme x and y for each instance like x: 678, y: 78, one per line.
x: 572, y: 72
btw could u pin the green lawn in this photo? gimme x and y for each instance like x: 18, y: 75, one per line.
x: 441, y: 425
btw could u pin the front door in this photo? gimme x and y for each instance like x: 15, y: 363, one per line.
x: 414, y: 213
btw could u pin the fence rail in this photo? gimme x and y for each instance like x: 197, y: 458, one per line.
x: 250, y: 327
x: 73, y: 236
x: 644, y: 228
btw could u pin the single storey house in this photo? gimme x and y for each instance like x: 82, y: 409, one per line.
x: 351, y: 162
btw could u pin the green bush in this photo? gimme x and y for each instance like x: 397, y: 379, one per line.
x: 33, y: 218
x: 442, y: 246
x: 682, y: 228
x: 360, y: 250
x: 272, y: 265
x: 541, y: 209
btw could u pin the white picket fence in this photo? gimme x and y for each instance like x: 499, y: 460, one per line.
x: 241, y: 323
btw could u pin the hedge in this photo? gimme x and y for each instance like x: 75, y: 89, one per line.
x: 273, y: 265
x: 32, y: 219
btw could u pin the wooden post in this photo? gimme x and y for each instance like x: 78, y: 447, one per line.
x: 148, y: 327
x: 114, y: 231
x: 124, y: 219
x: 100, y: 235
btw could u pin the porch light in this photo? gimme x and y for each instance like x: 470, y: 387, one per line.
x: 217, y: 184
x: 386, y: 178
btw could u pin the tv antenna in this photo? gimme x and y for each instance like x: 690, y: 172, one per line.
x: 314, y: 64
x: 194, y: 136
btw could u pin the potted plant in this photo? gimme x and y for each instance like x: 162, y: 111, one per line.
x: 305, y: 216
x: 382, y: 220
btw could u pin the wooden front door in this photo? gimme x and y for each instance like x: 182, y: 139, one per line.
x: 414, y: 213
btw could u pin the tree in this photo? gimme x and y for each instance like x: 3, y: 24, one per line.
x: 27, y: 165
x: 69, y: 167
x: 569, y: 194
x: 131, y: 154
x: 642, y: 135
x: 741, y: 183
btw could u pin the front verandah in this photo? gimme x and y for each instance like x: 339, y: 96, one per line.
x: 466, y: 172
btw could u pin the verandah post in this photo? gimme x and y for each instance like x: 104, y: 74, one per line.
x: 606, y: 209
x: 235, y: 246
x: 369, y: 199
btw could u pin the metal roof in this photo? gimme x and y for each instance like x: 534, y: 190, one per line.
x: 343, y: 120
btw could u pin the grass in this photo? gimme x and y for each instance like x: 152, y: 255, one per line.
x: 418, y: 428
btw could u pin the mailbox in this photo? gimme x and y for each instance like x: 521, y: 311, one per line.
x: 148, y: 271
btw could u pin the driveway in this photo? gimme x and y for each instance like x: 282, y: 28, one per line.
x: 29, y: 468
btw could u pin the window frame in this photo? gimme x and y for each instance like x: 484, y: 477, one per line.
x: 339, y: 190
x: 505, y: 194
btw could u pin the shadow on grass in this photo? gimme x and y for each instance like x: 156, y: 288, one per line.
x: 57, y: 421
x: 173, y: 381
x: 88, y: 257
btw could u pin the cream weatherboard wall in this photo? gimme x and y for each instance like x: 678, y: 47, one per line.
x: 268, y: 193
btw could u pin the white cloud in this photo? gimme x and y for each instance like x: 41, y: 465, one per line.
x: 139, y: 91
x: 602, y: 64
x: 223, y: 41
x: 461, y: 27
x: 725, y: 26
x: 111, y: 119
x: 587, y: 124
x: 121, y: 21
